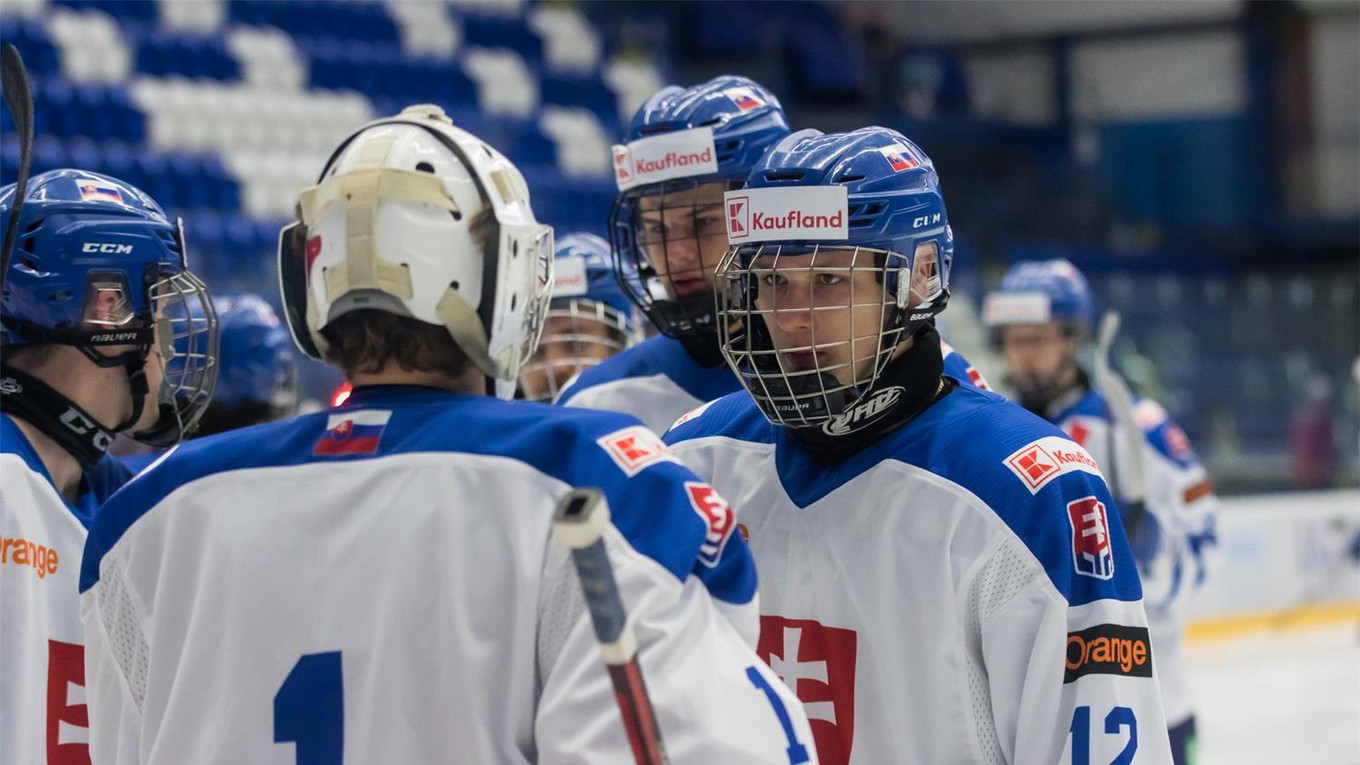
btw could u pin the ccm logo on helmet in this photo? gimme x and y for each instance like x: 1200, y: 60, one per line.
x: 1108, y: 649
x: 107, y: 248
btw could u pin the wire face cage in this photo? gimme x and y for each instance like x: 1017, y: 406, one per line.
x: 809, y: 328
x: 670, y: 238
x: 577, y: 334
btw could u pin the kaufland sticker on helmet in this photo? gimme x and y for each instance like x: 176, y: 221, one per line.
x: 665, y: 157
x: 1016, y: 308
x: 817, y: 213
x: 569, y: 277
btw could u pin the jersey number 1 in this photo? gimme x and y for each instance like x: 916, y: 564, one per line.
x: 309, y: 710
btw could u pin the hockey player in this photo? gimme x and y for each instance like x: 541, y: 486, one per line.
x: 1041, y: 319
x: 943, y: 575
x: 257, y: 372
x: 590, y: 318
x: 96, y: 287
x: 686, y: 147
x: 377, y: 582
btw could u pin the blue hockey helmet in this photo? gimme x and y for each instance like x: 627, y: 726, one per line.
x: 584, y: 269
x: 683, y: 148
x: 590, y: 317
x: 97, y: 264
x: 258, y: 366
x: 1041, y: 291
x: 822, y: 208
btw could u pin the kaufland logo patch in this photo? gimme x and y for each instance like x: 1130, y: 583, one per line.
x: 773, y: 215
x: 682, y: 154
x: 899, y: 158
x: 635, y: 449
x: 621, y: 161
x: 569, y: 277
x: 1038, y: 463
x: 1091, y: 552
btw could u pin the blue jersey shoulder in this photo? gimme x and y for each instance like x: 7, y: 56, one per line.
x: 646, y: 488
x: 658, y: 355
x: 1041, y: 484
x: 1160, y: 431
x: 961, y: 369
x: 98, y: 483
x: 735, y: 415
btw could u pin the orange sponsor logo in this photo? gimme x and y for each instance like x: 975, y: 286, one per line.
x: 22, y: 552
x: 1108, y: 649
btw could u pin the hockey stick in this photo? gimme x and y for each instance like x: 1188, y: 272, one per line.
x: 579, y: 523
x: 19, y: 100
x: 1126, y: 438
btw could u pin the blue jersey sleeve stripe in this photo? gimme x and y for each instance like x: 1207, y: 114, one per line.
x: 651, y: 508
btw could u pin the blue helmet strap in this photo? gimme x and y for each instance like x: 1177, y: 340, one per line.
x: 57, y: 417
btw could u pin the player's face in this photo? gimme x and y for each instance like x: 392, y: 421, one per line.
x: 1036, y: 354
x: 574, y: 338
x: 824, y: 311
x: 684, y: 236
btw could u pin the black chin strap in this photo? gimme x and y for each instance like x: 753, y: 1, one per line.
x: 1040, y: 398
x: 132, y: 362
x: 56, y: 416
x: 917, y: 376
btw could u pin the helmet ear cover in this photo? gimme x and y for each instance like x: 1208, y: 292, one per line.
x: 365, y: 280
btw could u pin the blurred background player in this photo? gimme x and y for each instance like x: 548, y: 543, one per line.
x: 589, y: 320
x: 925, y: 570
x: 684, y: 149
x: 257, y: 372
x: 96, y: 287
x: 1041, y: 322
x: 260, y: 546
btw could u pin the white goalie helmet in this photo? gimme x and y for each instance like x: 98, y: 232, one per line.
x: 390, y: 226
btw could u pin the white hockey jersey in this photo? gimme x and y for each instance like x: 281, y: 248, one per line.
x: 43, y: 716
x: 657, y: 381
x: 1181, y: 501
x: 959, y: 591
x: 378, y: 583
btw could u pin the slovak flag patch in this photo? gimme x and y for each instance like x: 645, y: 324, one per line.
x: 745, y: 98
x: 92, y: 190
x: 899, y: 158
x: 1091, y: 552
x: 358, y: 432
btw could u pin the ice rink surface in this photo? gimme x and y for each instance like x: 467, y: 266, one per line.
x: 1288, y: 695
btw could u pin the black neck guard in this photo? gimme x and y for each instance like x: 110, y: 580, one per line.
x: 909, y: 385
x: 1050, y: 401
x: 56, y: 416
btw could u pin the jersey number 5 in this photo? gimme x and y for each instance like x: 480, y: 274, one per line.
x: 309, y: 710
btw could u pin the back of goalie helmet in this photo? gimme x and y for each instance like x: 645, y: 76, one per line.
x: 416, y: 217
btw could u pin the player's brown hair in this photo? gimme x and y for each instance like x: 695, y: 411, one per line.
x: 368, y: 340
